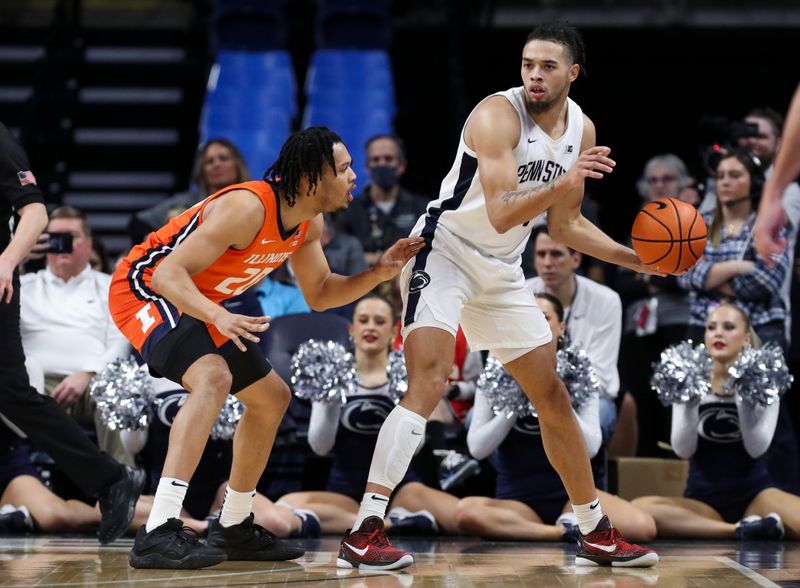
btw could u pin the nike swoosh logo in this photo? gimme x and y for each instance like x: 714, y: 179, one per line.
x: 606, y: 548
x: 267, y: 241
x: 379, y: 498
x: 531, y: 140
x: 174, y: 483
x: 595, y: 505
x: 660, y: 205
x: 413, y: 432
x: 359, y: 552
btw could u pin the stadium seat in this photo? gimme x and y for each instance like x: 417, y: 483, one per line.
x: 353, y: 23
x: 287, y: 332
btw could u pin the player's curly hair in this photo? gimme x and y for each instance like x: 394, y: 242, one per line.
x: 564, y: 34
x: 304, y: 154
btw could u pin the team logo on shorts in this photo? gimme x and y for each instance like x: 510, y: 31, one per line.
x: 419, y: 279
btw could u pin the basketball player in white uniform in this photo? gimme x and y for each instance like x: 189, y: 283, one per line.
x: 523, y: 152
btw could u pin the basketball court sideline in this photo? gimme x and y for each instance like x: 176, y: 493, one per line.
x: 67, y: 561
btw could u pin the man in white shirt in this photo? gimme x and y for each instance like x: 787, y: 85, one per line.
x: 66, y: 328
x: 592, y: 313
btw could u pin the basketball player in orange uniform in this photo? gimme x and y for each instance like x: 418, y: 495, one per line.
x: 165, y: 297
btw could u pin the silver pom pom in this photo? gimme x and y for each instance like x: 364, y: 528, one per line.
x: 398, y: 376
x: 683, y: 374
x: 502, y: 391
x: 759, y: 376
x: 123, y: 395
x: 575, y: 369
x: 323, y: 371
x: 228, y: 418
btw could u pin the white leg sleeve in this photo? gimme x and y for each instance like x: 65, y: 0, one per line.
x: 402, y: 432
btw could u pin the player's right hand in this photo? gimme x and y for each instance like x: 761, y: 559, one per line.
x: 238, y: 326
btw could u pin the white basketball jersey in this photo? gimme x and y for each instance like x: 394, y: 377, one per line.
x: 461, y: 206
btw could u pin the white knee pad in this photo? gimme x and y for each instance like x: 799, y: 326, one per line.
x: 402, y: 433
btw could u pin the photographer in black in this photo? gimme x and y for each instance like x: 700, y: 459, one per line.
x: 22, y: 218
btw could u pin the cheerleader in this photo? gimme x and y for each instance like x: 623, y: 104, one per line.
x: 530, y: 501
x: 349, y: 432
x: 725, y: 433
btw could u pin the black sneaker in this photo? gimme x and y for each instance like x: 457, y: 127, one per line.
x: 755, y: 528
x: 455, y: 468
x: 310, y: 527
x: 15, y: 520
x: 406, y: 522
x: 250, y: 542
x: 172, y: 546
x: 117, y: 503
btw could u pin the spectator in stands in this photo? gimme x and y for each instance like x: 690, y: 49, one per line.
x: 384, y: 211
x: 66, y: 328
x: 728, y: 269
x: 656, y: 316
x: 279, y: 295
x: 219, y: 163
x: 729, y: 492
x: 765, y: 147
x: 597, y: 332
x: 731, y: 271
x: 344, y: 252
x: 345, y: 255
x: 531, y: 503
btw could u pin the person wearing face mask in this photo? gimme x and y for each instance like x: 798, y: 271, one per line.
x: 384, y: 211
x: 219, y: 163
x: 729, y: 492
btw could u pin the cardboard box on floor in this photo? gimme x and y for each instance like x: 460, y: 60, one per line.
x: 645, y: 476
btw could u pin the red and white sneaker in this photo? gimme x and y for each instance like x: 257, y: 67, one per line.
x: 605, y: 546
x: 368, y: 548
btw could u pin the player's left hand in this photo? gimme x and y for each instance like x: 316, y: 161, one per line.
x: 71, y: 388
x: 393, y: 260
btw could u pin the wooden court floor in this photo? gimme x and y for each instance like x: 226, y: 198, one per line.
x: 52, y: 561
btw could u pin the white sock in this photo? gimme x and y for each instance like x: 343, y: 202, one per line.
x: 588, y: 515
x: 167, y: 503
x: 372, y: 505
x: 236, y: 506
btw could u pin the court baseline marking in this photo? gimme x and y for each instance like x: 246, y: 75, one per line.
x: 747, y: 572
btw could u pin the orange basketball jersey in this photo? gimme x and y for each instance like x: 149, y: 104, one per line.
x: 138, y: 310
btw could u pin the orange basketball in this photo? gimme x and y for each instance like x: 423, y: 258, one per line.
x: 669, y: 235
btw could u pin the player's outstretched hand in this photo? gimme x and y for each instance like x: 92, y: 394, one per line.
x: 238, y: 326
x: 766, y: 232
x: 393, y: 260
x: 592, y: 163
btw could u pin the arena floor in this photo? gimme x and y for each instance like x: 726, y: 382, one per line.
x: 80, y: 561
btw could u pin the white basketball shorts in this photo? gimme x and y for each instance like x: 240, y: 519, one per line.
x: 451, y: 283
